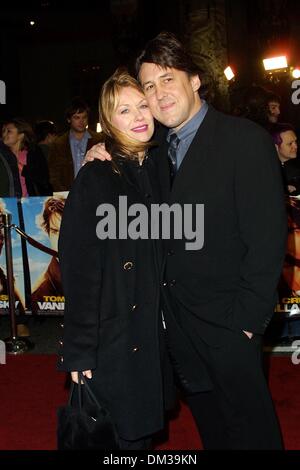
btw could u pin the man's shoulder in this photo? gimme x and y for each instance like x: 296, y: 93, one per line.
x: 293, y: 164
x: 232, y: 123
x: 239, y: 132
x: 96, y: 136
x: 59, y: 151
x: 61, y: 140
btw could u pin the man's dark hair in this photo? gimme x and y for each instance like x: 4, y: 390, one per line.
x: 278, y: 129
x: 272, y: 97
x: 43, y: 128
x: 254, y: 105
x: 166, y: 50
x: 77, y: 105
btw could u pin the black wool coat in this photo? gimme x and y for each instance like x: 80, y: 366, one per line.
x: 112, y: 319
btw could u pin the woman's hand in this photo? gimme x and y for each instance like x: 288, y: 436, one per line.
x: 248, y: 333
x: 97, y: 152
x: 291, y: 188
x: 86, y: 373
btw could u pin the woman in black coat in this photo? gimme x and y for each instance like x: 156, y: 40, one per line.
x: 113, y: 329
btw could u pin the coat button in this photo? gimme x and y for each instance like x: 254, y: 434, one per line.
x: 135, y: 349
x: 61, y: 325
x: 147, y: 195
x: 171, y: 252
x: 61, y: 342
x: 134, y: 307
x: 164, y: 283
x: 61, y: 359
x: 172, y: 283
x: 128, y: 265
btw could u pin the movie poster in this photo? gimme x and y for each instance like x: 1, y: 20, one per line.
x: 288, y: 307
x: 285, y: 325
x: 9, y: 205
x: 42, y: 217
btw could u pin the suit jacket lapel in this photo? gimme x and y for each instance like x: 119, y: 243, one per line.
x: 198, y: 152
x: 163, y: 168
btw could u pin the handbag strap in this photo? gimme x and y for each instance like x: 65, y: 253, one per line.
x: 88, y: 389
x: 82, y: 381
x: 79, y: 393
x: 80, y: 375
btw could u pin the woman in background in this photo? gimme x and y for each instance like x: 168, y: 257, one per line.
x: 18, y: 140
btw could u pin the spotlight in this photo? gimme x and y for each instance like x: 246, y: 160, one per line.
x: 229, y: 73
x: 32, y: 23
x: 275, y: 63
x: 296, y: 73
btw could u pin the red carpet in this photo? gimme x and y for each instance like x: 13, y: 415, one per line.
x: 31, y: 390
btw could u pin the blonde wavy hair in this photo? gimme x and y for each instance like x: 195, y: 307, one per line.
x: 116, y: 141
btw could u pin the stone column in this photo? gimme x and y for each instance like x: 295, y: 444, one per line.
x: 206, y: 39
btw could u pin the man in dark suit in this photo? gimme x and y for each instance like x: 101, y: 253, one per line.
x: 218, y: 300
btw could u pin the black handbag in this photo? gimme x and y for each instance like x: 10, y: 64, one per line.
x: 87, y: 426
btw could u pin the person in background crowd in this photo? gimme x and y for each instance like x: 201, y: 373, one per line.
x: 273, y: 107
x: 218, y: 300
x: 260, y: 106
x: 67, y: 151
x: 285, y: 140
x: 20, y: 149
x: 113, y: 330
x: 254, y: 106
x: 45, y: 132
x: 10, y: 184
